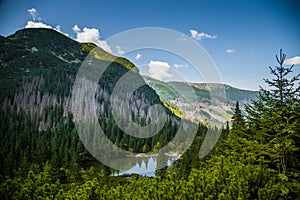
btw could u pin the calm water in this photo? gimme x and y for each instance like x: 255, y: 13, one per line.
x: 144, y: 166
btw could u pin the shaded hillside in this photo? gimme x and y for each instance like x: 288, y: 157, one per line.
x: 35, y: 51
x: 38, y: 69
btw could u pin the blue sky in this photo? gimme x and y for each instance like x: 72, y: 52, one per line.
x: 242, y: 37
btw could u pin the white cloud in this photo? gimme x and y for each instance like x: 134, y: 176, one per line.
x: 120, y: 50
x: 198, y: 36
x: 138, y: 56
x: 159, y: 70
x: 91, y: 35
x: 229, y: 51
x: 180, y: 65
x: 33, y: 13
x: 293, y: 61
x: 31, y: 24
x: 76, y: 28
x: 57, y: 28
x: 40, y: 24
x: 182, y: 38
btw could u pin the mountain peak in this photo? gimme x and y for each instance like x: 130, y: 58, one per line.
x: 36, y: 32
x: 61, y: 45
x: 32, y: 51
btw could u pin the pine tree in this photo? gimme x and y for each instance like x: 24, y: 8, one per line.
x: 238, y: 121
x: 273, y: 116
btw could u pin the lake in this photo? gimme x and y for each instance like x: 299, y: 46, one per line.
x: 145, y: 166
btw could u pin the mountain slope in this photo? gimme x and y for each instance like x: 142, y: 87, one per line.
x: 31, y: 51
x: 43, y: 62
x: 232, y: 94
x: 193, y: 100
x: 38, y: 69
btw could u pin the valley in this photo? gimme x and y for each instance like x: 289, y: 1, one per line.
x: 66, y: 132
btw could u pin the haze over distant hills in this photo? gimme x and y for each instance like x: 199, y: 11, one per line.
x: 205, y: 107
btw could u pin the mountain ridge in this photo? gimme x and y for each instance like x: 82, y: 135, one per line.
x: 198, y: 104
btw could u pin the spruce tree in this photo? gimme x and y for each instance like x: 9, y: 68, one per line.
x: 274, y: 117
x: 238, y: 121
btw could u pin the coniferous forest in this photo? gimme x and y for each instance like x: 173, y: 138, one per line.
x: 42, y: 156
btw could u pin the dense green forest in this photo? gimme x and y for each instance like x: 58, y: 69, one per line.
x: 42, y: 157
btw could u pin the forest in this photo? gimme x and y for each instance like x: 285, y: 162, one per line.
x: 42, y: 156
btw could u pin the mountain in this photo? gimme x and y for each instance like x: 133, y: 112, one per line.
x: 38, y: 71
x: 196, y: 101
x: 31, y: 51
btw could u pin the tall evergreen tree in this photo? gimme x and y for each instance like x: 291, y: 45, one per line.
x: 238, y: 121
x: 273, y: 118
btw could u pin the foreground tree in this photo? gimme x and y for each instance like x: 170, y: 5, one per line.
x: 273, y: 119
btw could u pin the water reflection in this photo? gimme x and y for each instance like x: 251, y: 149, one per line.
x: 145, y: 166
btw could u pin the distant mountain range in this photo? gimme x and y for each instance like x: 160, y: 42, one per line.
x: 207, y: 106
